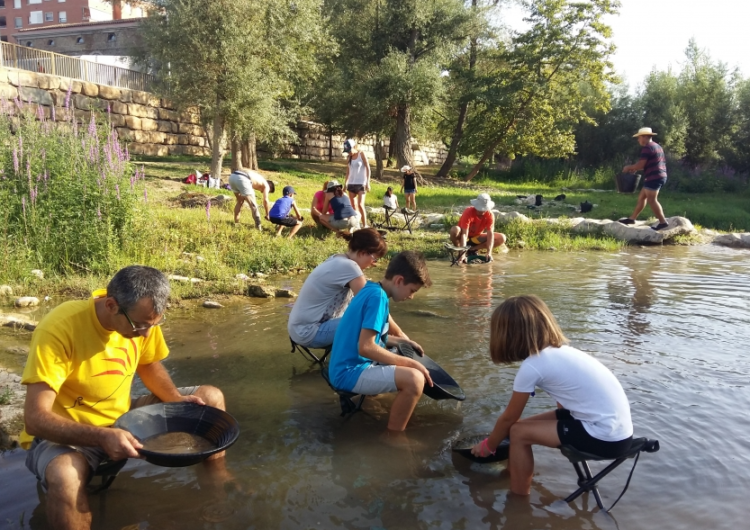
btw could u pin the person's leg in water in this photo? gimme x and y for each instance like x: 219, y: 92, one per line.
x: 535, y: 430
x: 499, y: 240
x: 410, y: 384
x: 67, y: 499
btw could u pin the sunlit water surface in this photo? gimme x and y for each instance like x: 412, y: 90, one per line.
x: 671, y: 323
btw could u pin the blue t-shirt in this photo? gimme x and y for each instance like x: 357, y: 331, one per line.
x: 342, y: 207
x: 368, y: 310
x: 656, y: 167
x: 281, y: 207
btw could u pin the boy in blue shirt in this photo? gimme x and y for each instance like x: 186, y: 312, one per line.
x: 359, y: 362
x: 279, y: 214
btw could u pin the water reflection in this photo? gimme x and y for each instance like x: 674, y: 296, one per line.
x: 672, y: 324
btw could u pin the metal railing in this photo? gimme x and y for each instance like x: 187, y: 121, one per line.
x: 24, y: 58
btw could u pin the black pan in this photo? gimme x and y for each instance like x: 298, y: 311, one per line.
x: 445, y: 387
x: 464, y: 445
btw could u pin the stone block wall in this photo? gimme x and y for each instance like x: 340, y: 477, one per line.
x: 149, y: 125
x: 153, y: 126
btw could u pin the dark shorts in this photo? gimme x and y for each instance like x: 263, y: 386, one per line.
x: 285, y: 221
x: 355, y: 188
x: 571, y: 432
x: 655, y: 184
x: 409, y: 192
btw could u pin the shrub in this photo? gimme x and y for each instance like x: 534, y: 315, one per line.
x: 68, y: 191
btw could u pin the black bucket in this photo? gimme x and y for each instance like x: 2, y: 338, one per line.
x: 216, y: 426
x: 627, y: 182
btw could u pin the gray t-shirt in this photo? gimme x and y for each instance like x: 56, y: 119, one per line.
x: 324, y: 296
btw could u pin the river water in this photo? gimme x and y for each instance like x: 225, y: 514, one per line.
x: 672, y: 323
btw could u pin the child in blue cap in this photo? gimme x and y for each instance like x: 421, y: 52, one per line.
x: 279, y: 214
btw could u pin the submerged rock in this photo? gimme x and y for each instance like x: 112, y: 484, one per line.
x: 285, y: 293
x: 210, y: 304
x: 733, y: 240
x: 261, y: 291
x: 27, y: 301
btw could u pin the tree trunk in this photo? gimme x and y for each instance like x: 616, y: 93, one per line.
x: 217, y: 146
x: 485, y: 156
x: 391, y: 147
x: 378, y: 148
x: 249, y: 154
x: 236, y: 154
x: 458, y: 133
x: 330, y: 143
x: 402, y: 149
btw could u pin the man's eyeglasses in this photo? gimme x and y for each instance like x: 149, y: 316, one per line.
x: 143, y: 328
x: 374, y: 258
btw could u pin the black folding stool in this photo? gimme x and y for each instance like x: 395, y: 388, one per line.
x: 409, y: 217
x: 107, y: 471
x: 586, y: 482
x: 346, y: 398
x: 306, y: 353
x: 455, y: 253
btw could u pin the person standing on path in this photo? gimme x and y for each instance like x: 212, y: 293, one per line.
x: 244, y: 182
x: 357, y: 180
x: 653, y: 164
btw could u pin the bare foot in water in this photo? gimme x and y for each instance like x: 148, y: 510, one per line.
x: 399, y: 439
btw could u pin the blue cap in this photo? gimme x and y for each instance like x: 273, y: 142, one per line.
x: 288, y: 190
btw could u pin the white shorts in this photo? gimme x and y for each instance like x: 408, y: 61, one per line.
x: 242, y: 186
x: 350, y: 223
x: 376, y: 379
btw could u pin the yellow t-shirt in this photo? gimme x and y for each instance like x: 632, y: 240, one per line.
x: 90, y: 368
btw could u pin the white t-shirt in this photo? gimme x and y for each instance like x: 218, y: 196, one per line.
x: 358, y: 169
x: 582, y: 385
x: 324, y: 296
x: 390, y: 202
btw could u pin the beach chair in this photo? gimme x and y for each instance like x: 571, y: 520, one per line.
x: 309, y: 355
x: 587, y: 482
x: 346, y: 398
x: 409, y: 217
x: 392, y: 224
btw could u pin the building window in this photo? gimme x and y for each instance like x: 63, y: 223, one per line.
x: 19, y: 22
x: 61, y: 1
x: 3, y: 22
x: 35, y: 2
x: 36, y: 17
x: 3, y: 39
x: 111, y: 37
x: 17, y: 4
x: 29, y: 44
x: 62, y: 16
x: 79, y: 40
x: 51, y: 42
x: 49, y: 16
x: 2, y: 3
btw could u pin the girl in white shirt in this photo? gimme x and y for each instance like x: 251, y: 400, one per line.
x: 357, y: 181
x: 593, y: 413
x: 390, y: 200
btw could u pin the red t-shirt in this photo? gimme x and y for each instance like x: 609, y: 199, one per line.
x: 320, y: 199
x: 474, y: 222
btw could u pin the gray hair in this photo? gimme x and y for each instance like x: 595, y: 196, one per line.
x: 132, y: 283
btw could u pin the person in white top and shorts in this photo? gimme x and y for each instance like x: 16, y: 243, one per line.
x: 593, y: 413
x: 357, y: 181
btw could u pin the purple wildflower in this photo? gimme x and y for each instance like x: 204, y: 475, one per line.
x: 132, y: 183
x: 40, y: 113
x: 145, y: 194
x: 54, y: 117
x: 33, y: 193
x: 117, y: 189
x: 23, y: 205
x: 67, y: 96
x: 15, y: 159
x: 92, y: 126
x: 208, y: 210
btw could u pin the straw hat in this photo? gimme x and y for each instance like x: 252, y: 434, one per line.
x: 644, y: 131
x: 482, y: 203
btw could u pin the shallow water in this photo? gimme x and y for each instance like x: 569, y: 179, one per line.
x: 672, y: 323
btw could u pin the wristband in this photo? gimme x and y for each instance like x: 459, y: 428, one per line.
x: 485, y: 447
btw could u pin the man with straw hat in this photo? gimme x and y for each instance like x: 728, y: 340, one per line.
x: 653, y: 165
x: 476, y: 227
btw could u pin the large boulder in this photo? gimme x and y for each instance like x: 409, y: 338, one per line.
x: 511, y: 216
x: 733, y: 240
x: 643, y: 233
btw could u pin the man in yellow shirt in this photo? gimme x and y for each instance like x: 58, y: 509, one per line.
x: 82, y: 360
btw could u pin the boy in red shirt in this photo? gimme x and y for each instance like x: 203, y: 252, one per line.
x: 476, y: 228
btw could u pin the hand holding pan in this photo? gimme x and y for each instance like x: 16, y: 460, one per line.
x: 464, y: 445
x: 444, y: 386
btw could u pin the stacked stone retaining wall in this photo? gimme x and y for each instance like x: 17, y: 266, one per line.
x: 154, y: 126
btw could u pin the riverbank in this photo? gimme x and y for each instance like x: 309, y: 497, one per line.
x: 203, y: 242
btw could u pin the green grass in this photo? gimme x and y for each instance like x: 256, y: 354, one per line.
x: 173, y: 237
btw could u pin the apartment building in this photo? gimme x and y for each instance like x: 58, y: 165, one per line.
x: 25, y: 14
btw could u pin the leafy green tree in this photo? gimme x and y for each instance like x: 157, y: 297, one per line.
x: 542, y: 85
x: 663, y: 111
x: 238, y: 60
x: 388, y: 74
